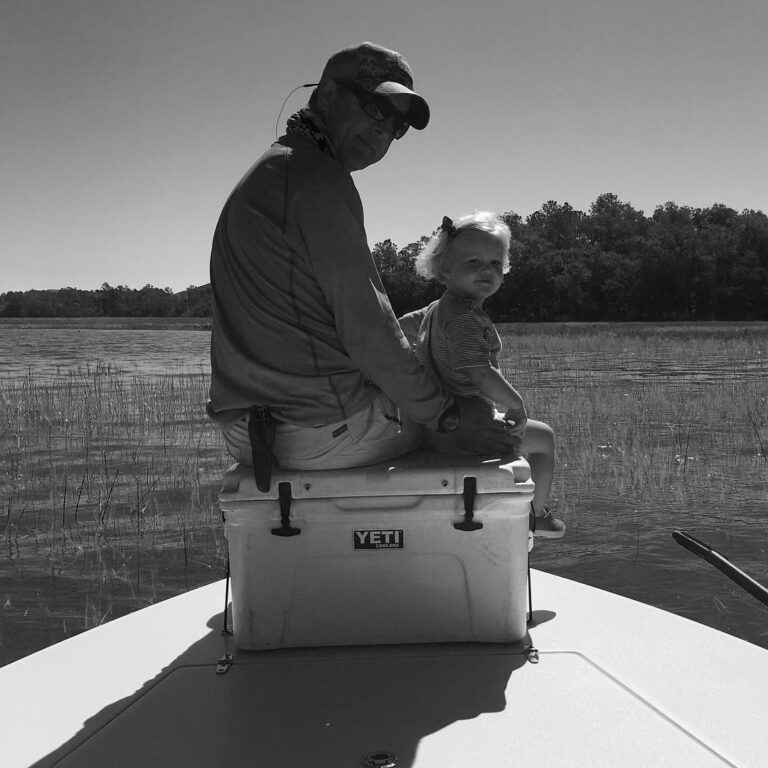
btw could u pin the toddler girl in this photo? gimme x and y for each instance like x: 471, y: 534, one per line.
x: 459, y: 346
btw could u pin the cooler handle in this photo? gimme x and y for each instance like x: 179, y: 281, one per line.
x: 468, y: 494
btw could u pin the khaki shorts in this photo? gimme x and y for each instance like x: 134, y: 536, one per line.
x: 367, y: 437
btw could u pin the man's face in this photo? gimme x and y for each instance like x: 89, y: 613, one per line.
x: 357, y: 139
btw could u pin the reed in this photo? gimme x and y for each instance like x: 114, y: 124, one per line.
x: 108, y: 494
x: 108, y: 481
x: 657, y: 428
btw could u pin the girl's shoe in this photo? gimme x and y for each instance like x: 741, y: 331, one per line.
x: 546, y: 526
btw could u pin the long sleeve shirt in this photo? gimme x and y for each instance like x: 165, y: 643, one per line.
x: 301, y: 322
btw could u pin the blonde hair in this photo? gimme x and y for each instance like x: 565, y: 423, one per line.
x: 431, y: 260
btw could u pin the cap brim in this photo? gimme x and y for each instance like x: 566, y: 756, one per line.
x: 419, y: 111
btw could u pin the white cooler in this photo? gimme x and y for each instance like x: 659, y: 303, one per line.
x: 425, y: 548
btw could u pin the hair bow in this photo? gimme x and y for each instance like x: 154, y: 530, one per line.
x: 448, y: 228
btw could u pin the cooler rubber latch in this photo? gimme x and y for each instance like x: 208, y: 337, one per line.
x: 285, y: 529
x: 469, y: 493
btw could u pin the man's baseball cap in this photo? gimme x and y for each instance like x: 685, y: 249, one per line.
x: 381, y: 72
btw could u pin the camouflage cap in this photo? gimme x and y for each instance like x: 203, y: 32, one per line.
x: 381, y: 72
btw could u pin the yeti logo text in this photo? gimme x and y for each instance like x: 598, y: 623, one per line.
x: 379, y: 539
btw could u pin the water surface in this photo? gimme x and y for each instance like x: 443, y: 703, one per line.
x: 51, y: 351
x: 622, y: 488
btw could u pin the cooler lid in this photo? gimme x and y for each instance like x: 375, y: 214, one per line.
x: 418, y: 473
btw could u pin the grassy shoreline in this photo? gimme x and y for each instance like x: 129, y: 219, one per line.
x: 111, y: 323
x: 557, y: 328
x: 108, y: 480
x: 108, y: 485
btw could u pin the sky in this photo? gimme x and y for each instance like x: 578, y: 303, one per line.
x: 125, y: 124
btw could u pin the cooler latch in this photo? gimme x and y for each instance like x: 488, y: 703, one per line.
x: 285, y: 529
x: 468, y: 494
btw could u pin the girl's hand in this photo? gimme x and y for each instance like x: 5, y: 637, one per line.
x: 478, y: 433
x: 516, y: 419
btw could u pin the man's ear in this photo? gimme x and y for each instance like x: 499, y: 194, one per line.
x: 326, y: 92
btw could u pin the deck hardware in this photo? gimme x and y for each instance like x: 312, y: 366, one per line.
x: 380, y: 760
x: 532, y: 654
x: 223, y: 663
x: 469, y: 493
x: 285, y: 529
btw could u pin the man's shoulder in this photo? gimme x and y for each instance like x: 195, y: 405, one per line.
x: 305, y: 157
x: 296, y: 167
x: 292, y: 152
x: 297, y: 155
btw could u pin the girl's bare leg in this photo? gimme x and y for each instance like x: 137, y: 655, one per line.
x: 539, y: 449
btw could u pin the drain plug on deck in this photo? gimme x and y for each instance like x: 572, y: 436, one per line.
x: 380, y: 760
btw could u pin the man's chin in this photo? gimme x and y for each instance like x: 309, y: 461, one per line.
x: 358, y: 164
x: 363, y: 157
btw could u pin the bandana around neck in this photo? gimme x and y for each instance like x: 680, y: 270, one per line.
x: 305, y: 122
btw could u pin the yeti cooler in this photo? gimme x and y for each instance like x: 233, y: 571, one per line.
x: 421, y: 549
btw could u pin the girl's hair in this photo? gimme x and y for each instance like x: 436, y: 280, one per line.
x: 431, y: 260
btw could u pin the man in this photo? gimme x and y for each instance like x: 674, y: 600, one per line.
x: 305, y: 349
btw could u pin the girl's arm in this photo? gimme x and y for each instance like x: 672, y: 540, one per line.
x: 495, y: 387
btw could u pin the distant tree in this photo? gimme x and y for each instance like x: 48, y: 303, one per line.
x: 11, y: 304
x: 752, y: 227
x: 74, y: 302
x: 612, y: 263
x: 515, y: 223
x: 407, y: 256
x: 558, y: 224
x: 385, y: 256
x: 614, y: 287
x: 613, y: 225
x: 198, y: 301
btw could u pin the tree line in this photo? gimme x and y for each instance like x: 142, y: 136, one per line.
x: 612, y: 263
x: 108, y: 301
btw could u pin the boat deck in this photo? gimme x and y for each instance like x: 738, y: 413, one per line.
x: 617, y: 683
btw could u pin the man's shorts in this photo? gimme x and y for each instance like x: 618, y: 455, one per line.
x: 367, y: 437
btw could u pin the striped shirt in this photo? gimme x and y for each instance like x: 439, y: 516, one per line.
x: 455, y: 335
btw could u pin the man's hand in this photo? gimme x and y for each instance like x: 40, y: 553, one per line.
x: 516, y: 419
x: 478, y: 433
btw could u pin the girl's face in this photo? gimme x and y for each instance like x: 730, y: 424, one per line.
x: 474, y: 265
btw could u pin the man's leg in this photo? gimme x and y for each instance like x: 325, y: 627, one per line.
x: 367, y: 437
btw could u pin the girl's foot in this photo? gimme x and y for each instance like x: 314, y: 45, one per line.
x: 546, y: 525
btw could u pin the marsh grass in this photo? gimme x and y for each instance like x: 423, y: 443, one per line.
x: 659, y: 427
x: 109, y: 480
x: 656, y: 412
x: 108, y: 499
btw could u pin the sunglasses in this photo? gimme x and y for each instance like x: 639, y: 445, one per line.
x: 377, y: 108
